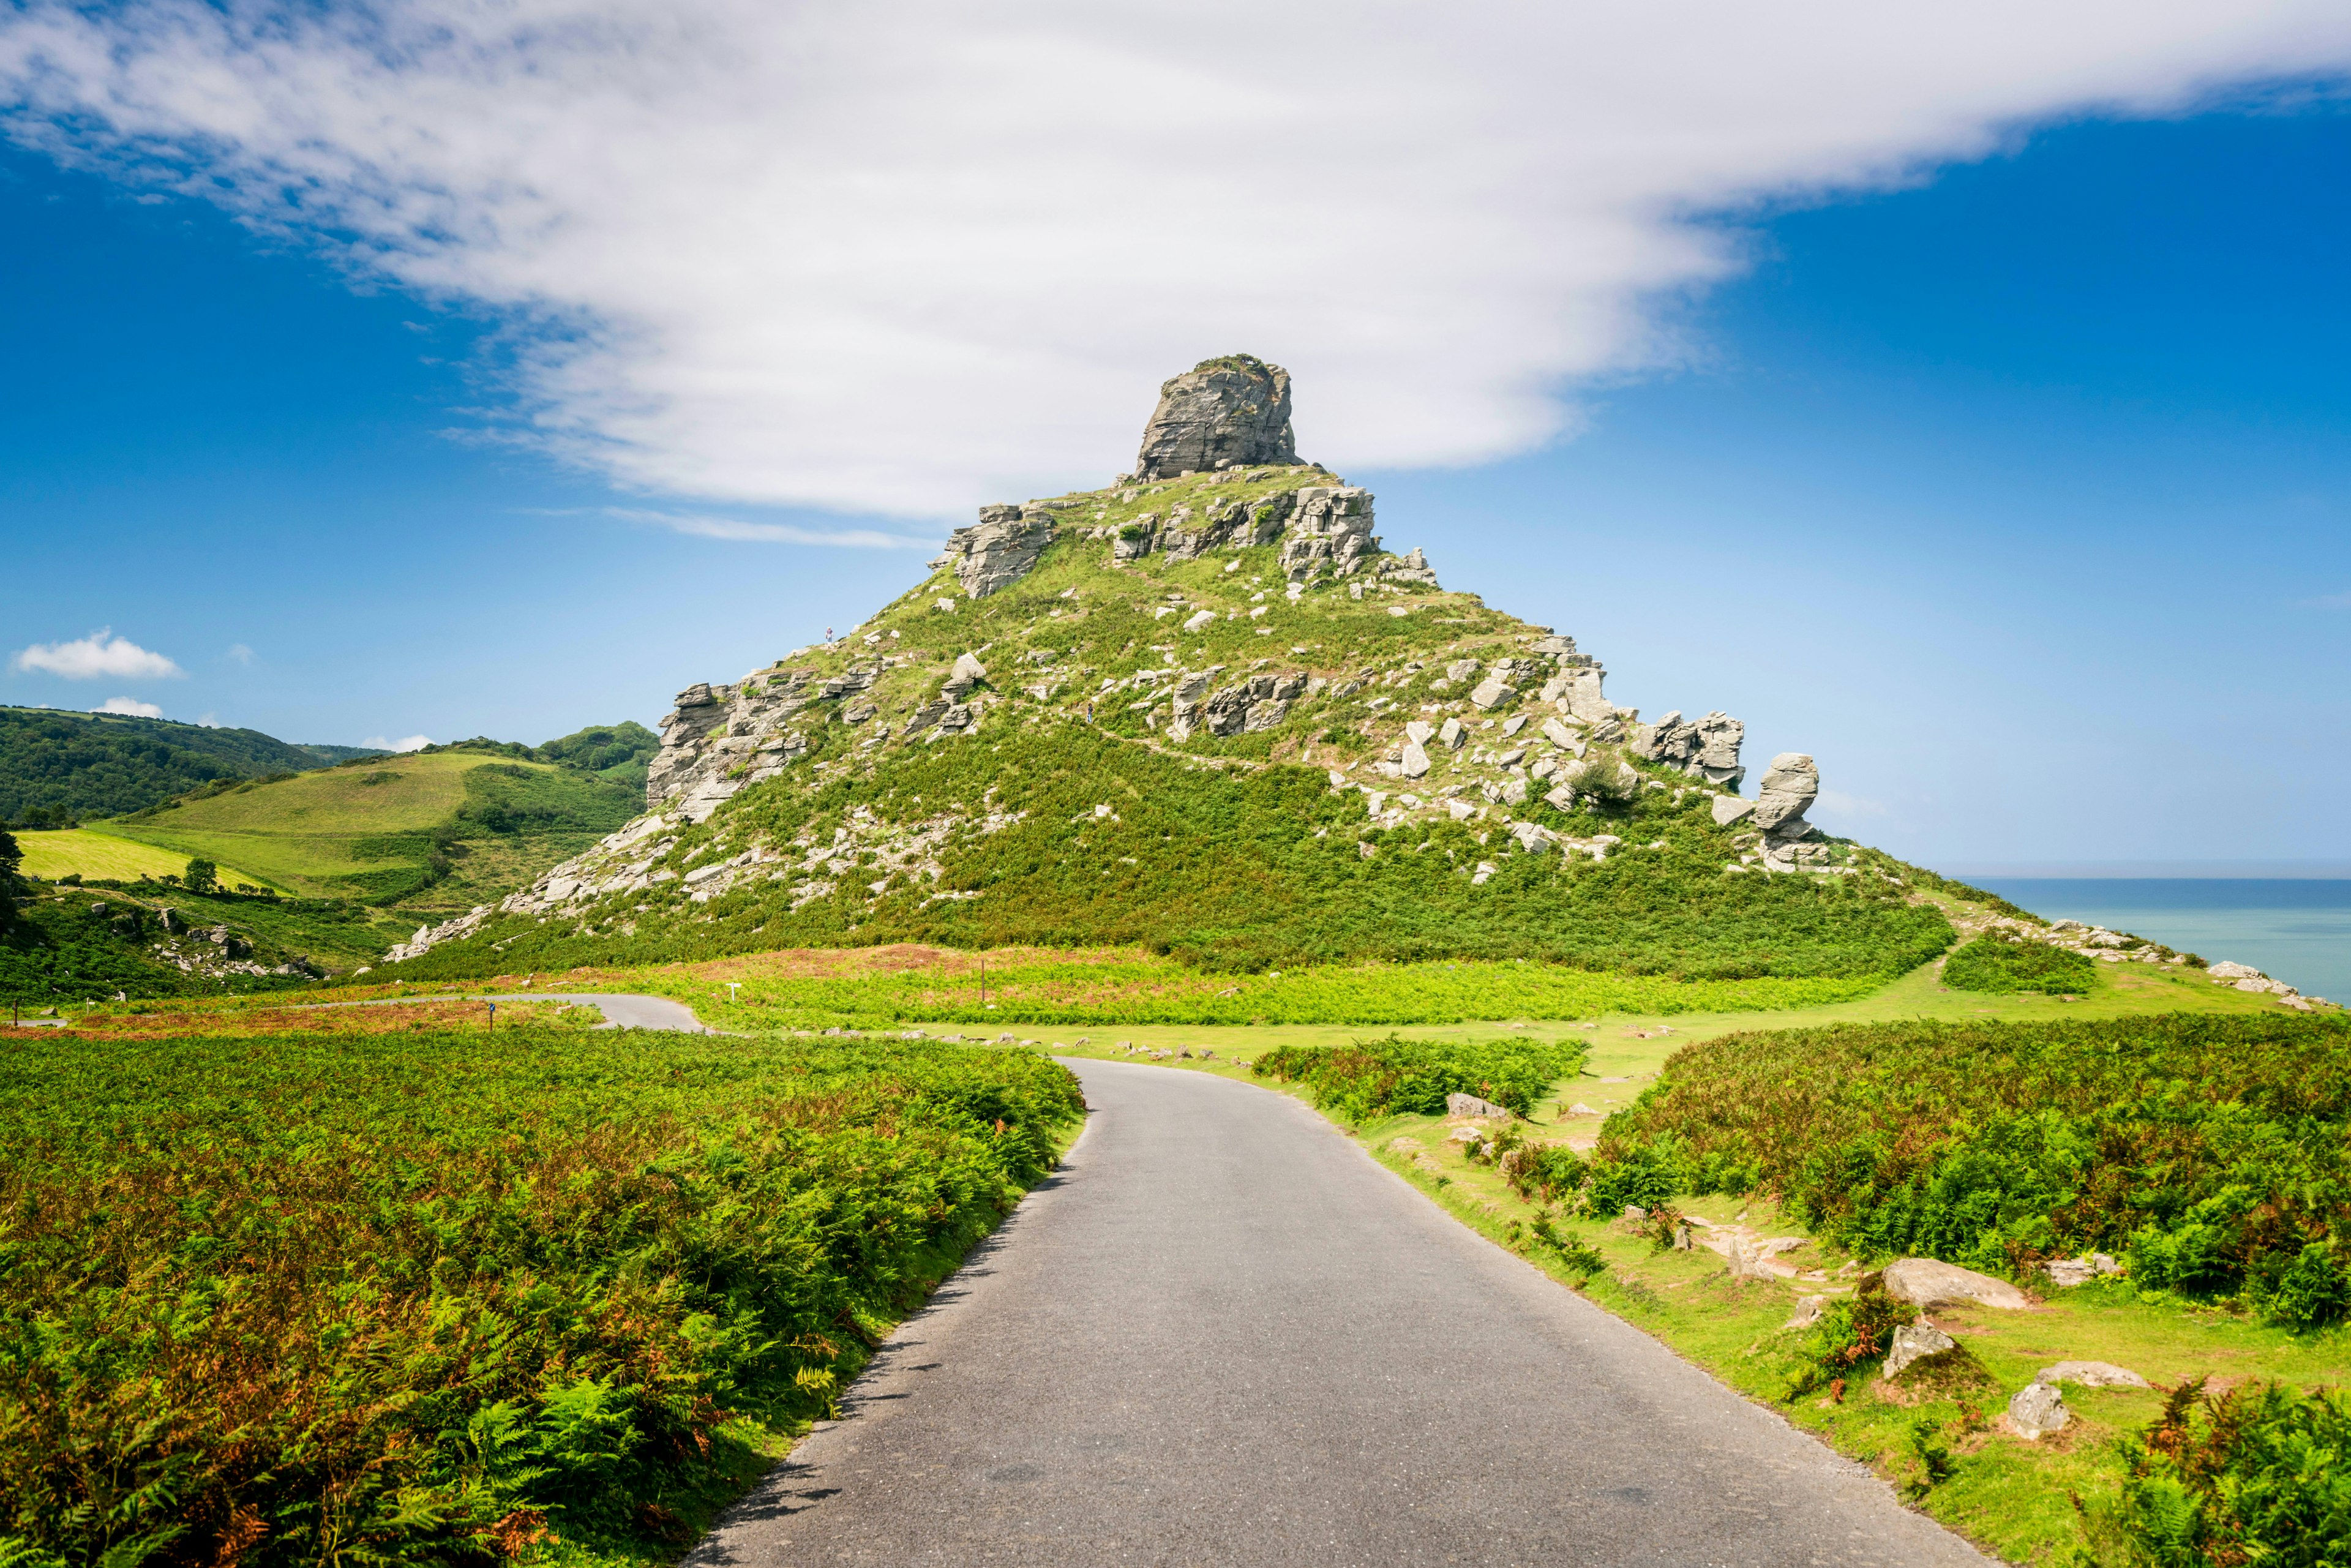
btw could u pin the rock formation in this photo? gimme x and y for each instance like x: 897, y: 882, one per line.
x: 1791, y: 784
x: 1000, y: 550
x: 1224, y: 412
x: 1331, y: 530
x: 1707, y: 748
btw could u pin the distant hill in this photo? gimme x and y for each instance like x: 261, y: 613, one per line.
x: 448, y: 827
x: 58, y: 766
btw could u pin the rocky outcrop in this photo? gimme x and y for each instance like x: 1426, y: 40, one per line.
x: 1707, y: 748
x: 1330, y: 531
x: 1791, y: 784
x: 1412, y: 567
x: 1226, y: 412
x: 1000, y: 550
x: 720, y: 739
x: 1915, y: 1342
x: 1259, y: 703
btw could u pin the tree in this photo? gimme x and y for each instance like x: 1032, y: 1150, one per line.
x: 11, y: 857
x: 202, y: 876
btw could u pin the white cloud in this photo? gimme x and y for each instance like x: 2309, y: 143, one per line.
x: 99, y: 654
x: 130, y: 706
x: 410, y: 743
x: 711, y: 527
x: 909, y: 258
x: 239, y: 653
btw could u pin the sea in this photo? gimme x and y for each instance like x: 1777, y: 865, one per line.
x: 2295, y: 929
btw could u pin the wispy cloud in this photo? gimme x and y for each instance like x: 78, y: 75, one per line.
x: 238, y: 653
x: 99, y: 654
x: 903, y: 258
x: 709, y: 527
x: 130, y: 706
x: 408, y: 743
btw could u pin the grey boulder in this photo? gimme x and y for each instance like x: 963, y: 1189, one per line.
x: 1791, y: 784
x: 1916, y: 1341
x: 2038, y: 1410
x: 1931, y: 1283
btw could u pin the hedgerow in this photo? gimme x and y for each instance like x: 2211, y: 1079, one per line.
x: 407, y: 1299
x: 1992, y: 963
x: 2212, y: 1149
x: 1370, y: 1079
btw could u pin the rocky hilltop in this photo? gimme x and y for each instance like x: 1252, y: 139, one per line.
x: 1220, y: 612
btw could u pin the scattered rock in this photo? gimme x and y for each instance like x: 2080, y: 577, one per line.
x: 1416, y: 761
x: 1930, y: 1282
x: 1225, y: 413
x: 1730, y: 808
x: 1452, y: 735
x: 1916, y: 1341
x: 1458, y: 1104
x: 2091, y: 1374
x: 1492, y: 692
x: 1809, y: 1311
x: 2081, y: 1270
x: 2038, y: 1410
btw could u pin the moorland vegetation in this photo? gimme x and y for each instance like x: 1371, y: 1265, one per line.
x: 58, y: 767
x: 435, y: 1296
x: 2207, y: 1150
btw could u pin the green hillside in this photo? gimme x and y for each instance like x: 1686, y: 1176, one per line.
x: 58, y: 766
x: 1067, y: 814
x: 443, y: 829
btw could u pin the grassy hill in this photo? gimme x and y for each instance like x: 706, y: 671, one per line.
x: 448, y: 827
x: 84, y: 854
x: 1067, y: 814
x: 57, y: 767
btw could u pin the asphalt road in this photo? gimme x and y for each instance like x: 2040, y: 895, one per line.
x: 1223, y: 1334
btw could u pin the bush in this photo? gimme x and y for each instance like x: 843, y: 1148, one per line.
x: 1992, y: 963
x: 2215, y: 1151
x: 383, y: 1298
x: 1394, y: 1077
x: 2257, y: 1475
x: 1851, y: 1336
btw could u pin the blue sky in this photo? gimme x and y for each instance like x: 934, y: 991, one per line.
x: 2016, y: 496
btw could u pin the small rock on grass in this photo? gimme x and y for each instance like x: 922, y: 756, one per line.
x: 2038, y: 1410
x: 1808, y: 1312
x: 1916, y: 1341
x: 2091, y: 1374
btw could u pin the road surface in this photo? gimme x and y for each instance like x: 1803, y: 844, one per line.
x: 1221, y: 1335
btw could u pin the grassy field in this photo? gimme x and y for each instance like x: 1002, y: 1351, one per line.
x: 79, y: 852
x: 450, y: 829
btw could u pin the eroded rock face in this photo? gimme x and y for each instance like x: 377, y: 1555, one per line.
x: 719, y: 740
x: 1225, y: 413
x: 1000, y: 550
x: 1332, y: 530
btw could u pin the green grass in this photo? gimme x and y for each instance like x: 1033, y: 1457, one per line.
x: 448, y: 829
x: 79, y: 851
x: 402, y: 1298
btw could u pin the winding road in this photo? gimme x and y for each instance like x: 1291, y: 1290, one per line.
x: 1222, y: 1334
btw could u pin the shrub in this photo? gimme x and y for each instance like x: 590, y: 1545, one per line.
x: 2212, y: 1149
x: 2258, y: 1474
x: 1364, y: 1082
x: 1852, y: 1335
x: 1992, y: 963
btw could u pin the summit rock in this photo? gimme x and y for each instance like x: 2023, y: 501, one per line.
x: 1225, y: 413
